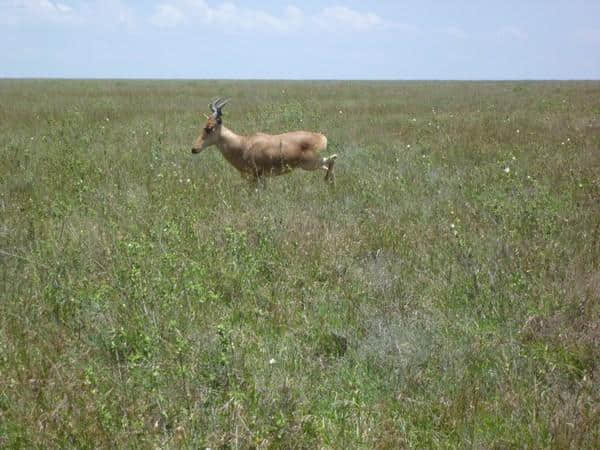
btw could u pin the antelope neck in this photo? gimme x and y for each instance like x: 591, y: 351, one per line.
x: 229, y: 140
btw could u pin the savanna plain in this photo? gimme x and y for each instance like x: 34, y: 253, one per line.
x: 444, y: 293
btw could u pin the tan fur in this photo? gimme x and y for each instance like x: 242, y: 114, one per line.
x: 261, y: 155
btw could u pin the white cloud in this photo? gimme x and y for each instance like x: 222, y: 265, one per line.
x: 63, y: 8
x: 227, y: 16
x: 45, y: 6
x: 107, y: 13
x: 342, y: 17
x: 167, y: 16
x: 512, y: 33
x: 231, y: 17
x: 18, y: 11
x: 294, y: 15
x: 455, y: 32
x: 110, y: 14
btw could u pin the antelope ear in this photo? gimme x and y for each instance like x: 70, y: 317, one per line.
x: 205, y: 116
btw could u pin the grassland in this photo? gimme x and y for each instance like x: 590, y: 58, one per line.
x: 444, y: 293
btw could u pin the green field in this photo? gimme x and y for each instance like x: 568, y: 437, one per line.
x: 445, y: 293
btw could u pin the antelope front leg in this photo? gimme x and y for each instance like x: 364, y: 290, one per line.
x: 258, y: 180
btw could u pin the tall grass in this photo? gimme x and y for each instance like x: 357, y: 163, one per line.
x: 445, y: 293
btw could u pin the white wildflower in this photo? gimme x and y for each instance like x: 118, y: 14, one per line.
x: 507, y: 169
x: 272, y: 361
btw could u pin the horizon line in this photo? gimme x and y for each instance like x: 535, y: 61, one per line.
x: 68, y: 78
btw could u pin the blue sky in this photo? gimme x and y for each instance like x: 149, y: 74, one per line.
x: 309, y: 39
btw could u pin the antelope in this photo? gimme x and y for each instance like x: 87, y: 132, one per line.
x: 261, y: 155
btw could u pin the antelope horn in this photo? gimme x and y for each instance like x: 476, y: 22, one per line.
x: 216, y: 105
x: 222, y: 102
x: 212, y: 106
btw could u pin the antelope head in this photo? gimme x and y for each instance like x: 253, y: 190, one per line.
x: 212, y: 129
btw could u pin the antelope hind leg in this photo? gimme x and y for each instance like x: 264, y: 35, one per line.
x: 328, y: 166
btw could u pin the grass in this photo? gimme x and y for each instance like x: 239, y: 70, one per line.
x: 444, y: 294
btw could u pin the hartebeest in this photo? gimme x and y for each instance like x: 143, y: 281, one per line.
x: 261, y: 155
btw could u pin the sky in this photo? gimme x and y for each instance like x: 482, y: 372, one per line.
x: 308, y: 39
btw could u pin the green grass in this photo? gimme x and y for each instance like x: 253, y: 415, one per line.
x: 444, y: 294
